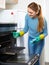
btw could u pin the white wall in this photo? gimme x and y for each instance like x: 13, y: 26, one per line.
x: 47, y: 39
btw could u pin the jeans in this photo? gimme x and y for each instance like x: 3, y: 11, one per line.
x: 35, y: 48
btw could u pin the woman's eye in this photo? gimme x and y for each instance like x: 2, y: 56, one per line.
x: 31, y: 12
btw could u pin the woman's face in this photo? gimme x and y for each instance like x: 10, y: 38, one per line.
x: 31, y: 13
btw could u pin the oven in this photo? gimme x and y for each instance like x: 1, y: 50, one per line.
x: 9, y: 53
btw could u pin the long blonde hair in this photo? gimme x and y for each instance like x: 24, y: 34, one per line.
x: 34, y: 6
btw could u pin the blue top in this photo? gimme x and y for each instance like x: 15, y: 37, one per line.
x: 31, y: 27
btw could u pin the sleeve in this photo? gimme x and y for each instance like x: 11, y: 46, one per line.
x: 45, y: 30
x: 26, y: 25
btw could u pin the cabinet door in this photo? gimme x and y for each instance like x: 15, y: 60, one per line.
x: 11, y: 1
x: 2, y: 4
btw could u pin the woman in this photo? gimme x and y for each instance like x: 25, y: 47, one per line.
x: 36, y: 24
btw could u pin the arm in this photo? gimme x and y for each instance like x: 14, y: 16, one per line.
x: 25, y: 30
x: 21, y: 33
x: 26, y: 27
x: 43, y: 35
x: 45, y: 31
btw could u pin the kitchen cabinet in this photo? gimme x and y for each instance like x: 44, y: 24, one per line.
x: 11, y: 1
x: 2, y: 4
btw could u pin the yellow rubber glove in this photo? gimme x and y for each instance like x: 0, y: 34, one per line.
x: 40, y: 37
x: 18, y: 34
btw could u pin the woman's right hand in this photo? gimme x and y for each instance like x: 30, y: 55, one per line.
x: 16, y: 34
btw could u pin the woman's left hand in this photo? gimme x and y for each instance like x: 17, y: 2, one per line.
x: 35, y: 40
